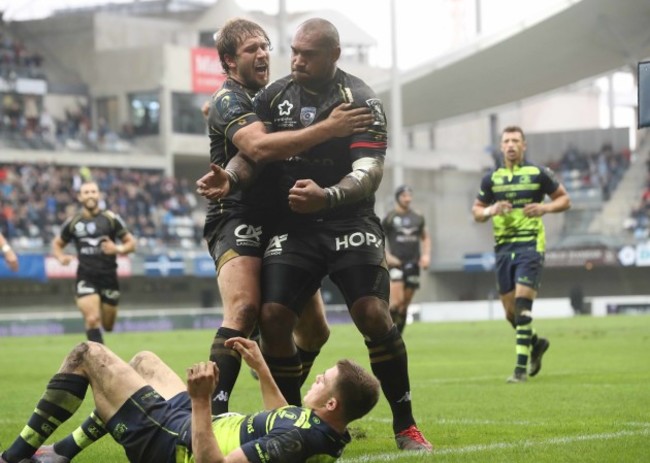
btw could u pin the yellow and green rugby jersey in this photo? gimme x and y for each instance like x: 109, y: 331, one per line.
x: 524, y: 184
x: 283, y: 435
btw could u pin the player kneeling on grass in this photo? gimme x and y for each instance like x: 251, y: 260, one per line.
x: 150, y: 411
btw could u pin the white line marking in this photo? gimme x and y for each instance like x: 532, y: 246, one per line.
x: 466, y: 422
x: 394, y: 456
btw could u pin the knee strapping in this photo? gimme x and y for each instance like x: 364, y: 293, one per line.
x: 522, y: 305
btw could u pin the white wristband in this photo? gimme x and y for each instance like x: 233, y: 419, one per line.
x: 120, y: 248
x: 6, y: 248
x: 487, y: 211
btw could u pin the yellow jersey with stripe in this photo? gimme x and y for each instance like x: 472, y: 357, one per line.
x: 526, y: 183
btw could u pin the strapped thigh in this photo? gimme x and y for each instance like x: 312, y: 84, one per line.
x: 288, y: 286
x: 362, y: 281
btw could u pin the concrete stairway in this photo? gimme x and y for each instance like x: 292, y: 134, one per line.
x: 626, y: 196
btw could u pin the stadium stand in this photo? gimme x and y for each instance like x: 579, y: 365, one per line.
x: 159, y: 210
x: 638, y: 223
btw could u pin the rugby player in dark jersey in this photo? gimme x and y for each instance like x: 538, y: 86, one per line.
x: 513, y: 197
x: 236, y: 228
x: 408, y: 249
x: 148, y: 410
x: 95, y: 233
x: 328, y: 225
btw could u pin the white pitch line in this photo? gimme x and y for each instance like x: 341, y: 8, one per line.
x: 394, y: 456
x: 466, y: 422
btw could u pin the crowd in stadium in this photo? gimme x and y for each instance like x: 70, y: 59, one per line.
x: 599, y: 171
x: 16, y: 60
x: 159, y: 210
x: 638, y: 222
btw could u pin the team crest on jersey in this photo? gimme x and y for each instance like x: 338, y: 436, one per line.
x: 307, y: 115
x: 284, y: 108
x: 524, y: 179
x: 377, y: 111
x: 91, y: 227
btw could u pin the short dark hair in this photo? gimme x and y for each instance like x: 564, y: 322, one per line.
x: 401, y: 189
x: 514, y: 128
x: 357, y: 390
x: 232, y: 34
x: 327, y: 32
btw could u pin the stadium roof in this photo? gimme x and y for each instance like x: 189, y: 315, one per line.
x: 585, y: 39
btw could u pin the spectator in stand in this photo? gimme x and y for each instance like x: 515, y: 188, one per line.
x: 35, y: 199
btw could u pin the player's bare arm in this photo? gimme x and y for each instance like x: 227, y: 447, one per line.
x: 126, y: 246
x: 425, y: 255
x: 219, y: 183
x: 10, y: 256
x: 251, y: 354
x: 560, y: 202
x: 202, y: 379
x: 483, y: 212
x: 57, y: 251
x: 261, y: 146
x: 307, y: 197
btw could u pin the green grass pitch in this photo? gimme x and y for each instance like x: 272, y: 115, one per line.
x: 590, y: 403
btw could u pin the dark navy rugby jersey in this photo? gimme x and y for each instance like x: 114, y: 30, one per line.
x: 231, y: 109
x: 88, y: 233
x: 290, y: 434
x: 285, y: 105
x: 403, y: 234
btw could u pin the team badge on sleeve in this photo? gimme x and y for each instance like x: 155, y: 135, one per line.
x: 377, y: 111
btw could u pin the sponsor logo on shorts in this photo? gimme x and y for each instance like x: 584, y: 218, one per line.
x: 275, y: 245
x: 356, y: 240
x: 83, y: 289
x: 111, y: 293
x: 248, y: 235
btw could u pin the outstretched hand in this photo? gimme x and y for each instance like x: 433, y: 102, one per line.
x: 202, y: 379
x: 213, y: 185
x: 249, y: 351
x: 306, y: 197
x: 345, y: 120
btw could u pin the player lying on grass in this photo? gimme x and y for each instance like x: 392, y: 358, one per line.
x: 150, y: 411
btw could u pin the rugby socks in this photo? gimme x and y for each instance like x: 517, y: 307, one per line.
x: 398, y: 319
x: 389, y: 363
x: 307, y: 360
x: 89, y: 432
x: 95, y: 334
x: 64, y: 394
x: 229, y: 362
x: 524, y: 320
x: 287, y: 372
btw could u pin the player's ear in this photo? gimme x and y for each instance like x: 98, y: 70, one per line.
x: 336, y: 53
x: 230, y: 61
x: 332, y: 404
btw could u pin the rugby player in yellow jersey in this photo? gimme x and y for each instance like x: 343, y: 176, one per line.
x: 513, y: 196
